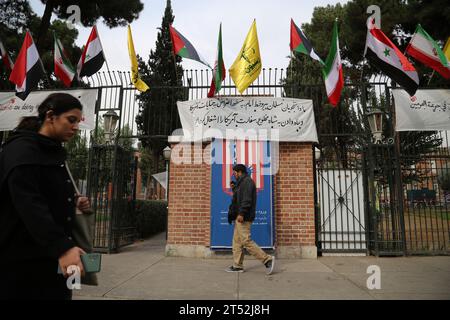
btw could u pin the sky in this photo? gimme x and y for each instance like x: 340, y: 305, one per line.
x: 199, y: 20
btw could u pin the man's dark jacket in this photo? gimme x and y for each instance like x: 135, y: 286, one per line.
x: 37, y: 199
x: 245, y: 198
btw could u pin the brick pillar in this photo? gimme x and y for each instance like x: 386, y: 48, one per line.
x: 294, y: 202
x: 189, y: 201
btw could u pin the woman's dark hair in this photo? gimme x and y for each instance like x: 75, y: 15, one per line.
x: 59, y: 103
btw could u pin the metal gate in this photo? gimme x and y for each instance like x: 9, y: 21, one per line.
x: 342, y: 223
x: 112, y: 190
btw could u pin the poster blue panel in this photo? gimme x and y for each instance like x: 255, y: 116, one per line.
x: 256, y: 156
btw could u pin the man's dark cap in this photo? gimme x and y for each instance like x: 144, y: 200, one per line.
x: 240, y: 168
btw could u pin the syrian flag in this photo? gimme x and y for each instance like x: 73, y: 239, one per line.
x: 219, y: 69
x: 63, y: 68
x: 384, y: 55
x: 423, y: 48
x: 9, y: 65
x: 183, y: 48
x: 332, y: 70
x: 92, y: 58
x: 299, y: 43
x: 28, y: 68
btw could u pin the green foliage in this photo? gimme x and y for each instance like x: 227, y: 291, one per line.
x: 77, y: 156
x: 163, y: 74
x: 15, y: 18
x: 151, y: 217
x: 399, y: 19
x: 158, y: 112
x: 126, y: 143
x: 114, y: 12
x: 148, y: 165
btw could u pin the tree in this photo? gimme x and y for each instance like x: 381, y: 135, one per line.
x: 147, y: 165
x: 114, y: 13
x: 126, y: 143
x: 399, y: 19
x: 304, y: 80
x: 304, y: 77
x: 77, y: 155
x: 12, y: 32
x: 158, y: 111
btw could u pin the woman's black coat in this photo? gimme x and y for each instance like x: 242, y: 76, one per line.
x: 37, y: 199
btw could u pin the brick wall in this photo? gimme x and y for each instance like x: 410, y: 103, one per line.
x: 189, y: 198
x: 294, y: 196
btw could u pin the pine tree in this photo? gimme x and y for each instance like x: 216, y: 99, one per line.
x: 158, y: 113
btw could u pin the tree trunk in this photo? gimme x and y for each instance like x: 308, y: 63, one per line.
x: 45, y: 22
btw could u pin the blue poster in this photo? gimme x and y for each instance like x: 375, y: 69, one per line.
x: 256, y: 155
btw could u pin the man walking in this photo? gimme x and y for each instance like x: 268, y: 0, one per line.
x: 245, y: 206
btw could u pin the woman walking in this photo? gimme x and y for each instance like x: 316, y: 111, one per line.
x: 38, y: 202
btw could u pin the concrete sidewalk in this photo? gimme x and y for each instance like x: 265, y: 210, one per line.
x: 141, y: 271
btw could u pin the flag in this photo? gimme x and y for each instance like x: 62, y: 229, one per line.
x: 423, y: 48
x: 299, y: 43
x: 63, y: 68
x: 247, y: 66
x: 447, y: 49
x: 28, y: 68
x: 384, y: 55
x: 92, y: 58
x: 9, y: 65
x: 252, y: 154
x: 138, y: 83
x: 332, y: 70
x: 219, y: 69
x: 183, y: 48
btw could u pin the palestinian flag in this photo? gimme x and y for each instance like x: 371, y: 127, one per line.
x: 423, y: 48
x: 28, y: 68
x: 301, y: 44
x: 219, y: 69
x: 183, y: 48
x: 63, y: 68
x: 92, y: 58
x: 332, y: 70
x: 9, y: 65
x: 384, y: 55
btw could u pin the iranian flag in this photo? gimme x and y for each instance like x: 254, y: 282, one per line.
x: 92, y: 58
x: 63, y: 68
x: 384, y: 55
x: 5, y: 57
x: 299, y: 43
x: 219, y: 69
x: 183, y: 48
x: 28, y: 68
x: 423, y: 48
x: 332, y: 70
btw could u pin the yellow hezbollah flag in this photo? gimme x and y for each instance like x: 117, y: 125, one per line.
x: 247, y: 66
x: 138, y: 83
x: 447, y: 49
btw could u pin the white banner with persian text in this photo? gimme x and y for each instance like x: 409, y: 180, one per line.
x: 256, y: 118
x: 12, y: 109
x: 427, y: 110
